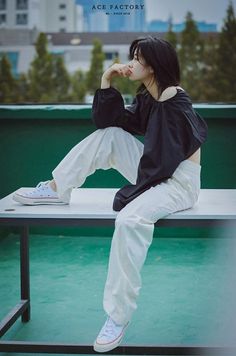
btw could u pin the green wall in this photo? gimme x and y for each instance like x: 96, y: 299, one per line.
x: 33, y: 140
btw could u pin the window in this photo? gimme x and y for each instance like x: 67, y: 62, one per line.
x: 13, y: 59
x: 62, y: 30
x: 21, y: 4
x: 111, y: 55
x: 62, y: 6
x: 3, y: 19
x: 62, y: 18
x: 21, y: 19
x: 3, y: 4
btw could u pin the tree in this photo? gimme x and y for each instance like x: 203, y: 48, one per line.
x: 190, y: 56
x: 226, y: 58
x: 171, y: 35
x: 61, y: 80
x: 23, y: 88
x: 7, y: 82
x: 41, y: 73
x: 96, y: 67
x: 209, y: 79
x: 78, y: 82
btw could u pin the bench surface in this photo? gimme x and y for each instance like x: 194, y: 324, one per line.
x: 96, y: 203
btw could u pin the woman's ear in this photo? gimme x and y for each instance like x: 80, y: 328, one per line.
x: 151, y: 70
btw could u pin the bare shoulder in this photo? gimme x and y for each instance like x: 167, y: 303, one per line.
x: 169, y: 93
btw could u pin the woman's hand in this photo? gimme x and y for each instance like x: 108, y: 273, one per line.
x: 120, y: 70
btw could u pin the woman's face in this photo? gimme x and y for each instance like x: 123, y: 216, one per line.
x: 139, y: 69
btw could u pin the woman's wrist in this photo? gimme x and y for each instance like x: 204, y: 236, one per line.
x: 105, y: 82
x: 120, y: 70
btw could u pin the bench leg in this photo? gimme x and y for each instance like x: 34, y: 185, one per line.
x: 24, y: 271
x: 23, y: 307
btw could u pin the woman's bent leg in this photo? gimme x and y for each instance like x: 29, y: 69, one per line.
x: 133, y: 235
x: 111, y: 147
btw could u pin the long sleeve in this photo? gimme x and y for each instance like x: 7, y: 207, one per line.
x: 108, y: 110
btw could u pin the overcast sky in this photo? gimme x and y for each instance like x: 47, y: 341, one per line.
x: 212, y: 11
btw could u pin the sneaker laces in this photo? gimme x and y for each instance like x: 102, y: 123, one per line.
x: 42, y: 185
x: 109, y: 328
x: 39, y: 187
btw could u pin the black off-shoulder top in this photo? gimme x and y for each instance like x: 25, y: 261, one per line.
x: 172, y: 132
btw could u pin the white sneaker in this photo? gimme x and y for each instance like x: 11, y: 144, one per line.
x: 110, y: 336
x: 42, y: 194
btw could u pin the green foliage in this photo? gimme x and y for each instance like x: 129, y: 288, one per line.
x: 207, y: 87
x: 191, y: 57
x: 96, y: 67
x: 171, y: 36
x: 61, y: 81
x: 41, y: 73
x: 125, y: 85
x: 78, y: 82
x: 7, y: 82
x: 226, y: 58
x: 23, y: 89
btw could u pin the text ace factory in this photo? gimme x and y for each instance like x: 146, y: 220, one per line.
x: 118, y: 7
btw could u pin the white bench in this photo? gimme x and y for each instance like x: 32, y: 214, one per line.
x: 93, y: 207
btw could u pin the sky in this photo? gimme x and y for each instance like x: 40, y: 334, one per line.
x: 211, y: 11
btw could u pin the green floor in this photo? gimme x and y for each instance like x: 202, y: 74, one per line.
x: 184, y: 284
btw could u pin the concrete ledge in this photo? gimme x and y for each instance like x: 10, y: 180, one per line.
x: 74, y: 111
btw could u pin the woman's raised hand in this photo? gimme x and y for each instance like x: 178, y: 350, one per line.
x: 117, y: 69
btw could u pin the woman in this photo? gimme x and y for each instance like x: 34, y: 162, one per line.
x: 164, y: 172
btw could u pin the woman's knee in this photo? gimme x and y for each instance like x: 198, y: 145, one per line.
x: 133, y: 237
x: 127, y: 220
x: 133, y: 226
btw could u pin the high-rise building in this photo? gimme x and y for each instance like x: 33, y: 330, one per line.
x: 59, y: 15
x: 19, y: 14
x: 87, y: 11
x: 120, y: 15
x: 98, y: 22
x: 131, y: 19
x: 45, y: 15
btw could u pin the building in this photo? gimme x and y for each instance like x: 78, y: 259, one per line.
x: 99, y: 22
x: 75, y: 47
x: 86, y: 8
x: 163, y: 26
x: 120, y: 15
x: 44, y: 15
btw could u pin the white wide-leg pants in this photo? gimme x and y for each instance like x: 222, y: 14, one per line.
x: 115, y: 148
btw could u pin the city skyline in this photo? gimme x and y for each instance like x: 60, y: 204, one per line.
x: 114, y: 15
x: 134, y: 15
x: 211, y: 11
